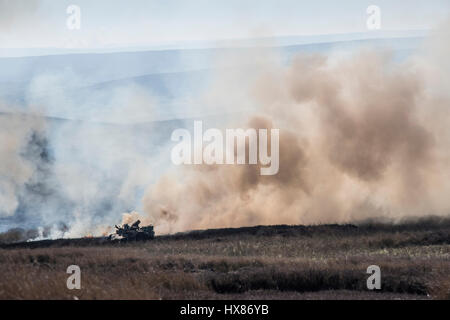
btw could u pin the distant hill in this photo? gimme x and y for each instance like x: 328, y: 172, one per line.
x: 101, y: 67
x: 86, y: 82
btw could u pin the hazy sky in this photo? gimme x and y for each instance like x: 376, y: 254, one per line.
x: 42, y: 23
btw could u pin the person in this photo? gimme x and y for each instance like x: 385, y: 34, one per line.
x: 135, y: 225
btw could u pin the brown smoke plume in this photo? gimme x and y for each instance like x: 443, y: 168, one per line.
x: 361, y: 137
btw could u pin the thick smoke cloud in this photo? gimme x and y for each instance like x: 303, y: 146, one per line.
x: 361, y: 136
x: 16, y: 167
x: 71, y: 178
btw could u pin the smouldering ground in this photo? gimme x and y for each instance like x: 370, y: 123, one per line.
x: 323, y: 262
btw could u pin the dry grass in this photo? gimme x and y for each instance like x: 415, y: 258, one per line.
x: 415, y: 264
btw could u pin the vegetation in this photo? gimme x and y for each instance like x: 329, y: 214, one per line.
x: 276, y: 262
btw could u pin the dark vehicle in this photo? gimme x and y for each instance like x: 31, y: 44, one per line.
x: 133, y: 232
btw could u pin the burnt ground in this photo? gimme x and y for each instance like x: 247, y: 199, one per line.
x: 433, y: 231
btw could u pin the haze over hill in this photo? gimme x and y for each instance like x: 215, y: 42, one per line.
x: 77, y: 86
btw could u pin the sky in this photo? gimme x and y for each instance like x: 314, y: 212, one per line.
x: 120, y: 23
